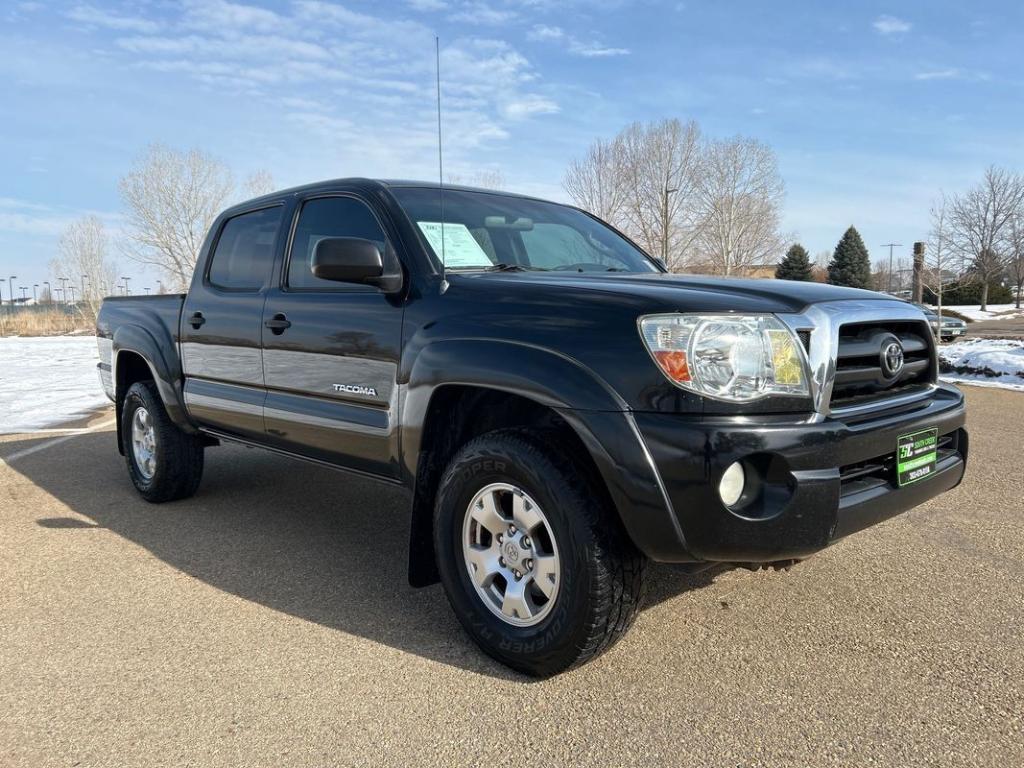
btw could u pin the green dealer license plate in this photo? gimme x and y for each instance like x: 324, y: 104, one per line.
x: 915, y: 455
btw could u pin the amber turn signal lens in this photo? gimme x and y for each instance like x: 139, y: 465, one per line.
x: 673, y: 362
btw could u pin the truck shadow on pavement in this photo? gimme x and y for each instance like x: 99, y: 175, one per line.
x: 317, y: 544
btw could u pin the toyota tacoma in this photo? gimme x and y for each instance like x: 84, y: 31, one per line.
x: 559, y: 407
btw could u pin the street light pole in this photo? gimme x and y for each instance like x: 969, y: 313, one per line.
x: 664, y: 224
x: 890, y: 246
x: 35, y: 299
x: 24, y: 293
x: 127, y: 292
x: 10, y: 284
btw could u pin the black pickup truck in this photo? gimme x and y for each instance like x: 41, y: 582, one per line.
x: 559, y: 407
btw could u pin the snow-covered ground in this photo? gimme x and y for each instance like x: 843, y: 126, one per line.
x: 47, y: 380
x: 986, y: 362
x: 994, y: 311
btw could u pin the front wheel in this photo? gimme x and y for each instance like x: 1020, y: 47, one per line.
x: 534, y: 560
x: 164, y: 463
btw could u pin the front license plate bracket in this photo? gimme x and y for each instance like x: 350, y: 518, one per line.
x: 916, y: 455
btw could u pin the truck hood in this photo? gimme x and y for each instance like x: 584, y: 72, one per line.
x: 687, y: 293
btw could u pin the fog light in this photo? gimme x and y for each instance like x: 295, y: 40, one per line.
x: 731, y: 486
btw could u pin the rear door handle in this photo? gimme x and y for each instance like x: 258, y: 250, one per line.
x: 196, y: 320
x: 278, y: 323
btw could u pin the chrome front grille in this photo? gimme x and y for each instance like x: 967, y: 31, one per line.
x: 861, y: 373
x: 844, y: 342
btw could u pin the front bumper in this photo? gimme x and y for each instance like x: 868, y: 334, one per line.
x: 816, y: 480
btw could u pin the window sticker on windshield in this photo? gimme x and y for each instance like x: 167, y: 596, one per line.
x: 460, y: 247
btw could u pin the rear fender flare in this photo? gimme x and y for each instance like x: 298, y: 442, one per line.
x: 166, y: 372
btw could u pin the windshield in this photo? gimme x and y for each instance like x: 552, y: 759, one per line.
x: 483, y: 231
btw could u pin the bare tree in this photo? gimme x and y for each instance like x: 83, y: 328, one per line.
x: 937, y: 253
x: 595, y: 182
x: 661, y: 162
x: 172, y: 199
x: 258, y: 183
x: 740, y: 195
x: 979, y: 224
x: 1015, y: 262
x: 82, y: 259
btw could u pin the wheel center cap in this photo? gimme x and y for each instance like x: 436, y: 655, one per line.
x: 511, y: 550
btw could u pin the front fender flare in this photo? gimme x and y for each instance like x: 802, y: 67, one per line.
x: 600, y: 418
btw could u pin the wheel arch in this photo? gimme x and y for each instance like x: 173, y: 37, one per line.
x: 459, y: 390
x: 136, y: 355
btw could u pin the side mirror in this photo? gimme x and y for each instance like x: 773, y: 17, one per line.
x: 352, y: 260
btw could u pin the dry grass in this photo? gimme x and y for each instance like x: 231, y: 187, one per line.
x: 43, y: 322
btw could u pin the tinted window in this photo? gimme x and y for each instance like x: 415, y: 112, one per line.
x: 245, y: 250
x: 329, y: 217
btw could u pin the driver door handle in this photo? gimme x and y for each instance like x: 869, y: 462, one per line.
x: 278, y: 323
x: 196, y: 320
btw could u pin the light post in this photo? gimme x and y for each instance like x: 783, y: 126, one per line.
x: 10, y: 284
x: 890, y: 246
x: 49, y: 292
x: 146, y: 289
x: 63, y: 289
x: 83, y: 285
x: 2, y: 280
x: 35, y: 298
x: 664, y: 223
x: 127, y: 292
x: 24, y: 292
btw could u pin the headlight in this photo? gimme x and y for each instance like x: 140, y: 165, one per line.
x: 730, y: 357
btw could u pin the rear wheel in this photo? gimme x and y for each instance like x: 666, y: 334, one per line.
x: 164, y: 462
x: 533, y: 558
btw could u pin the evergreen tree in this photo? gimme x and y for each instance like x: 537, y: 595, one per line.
x: 796, y: 265
x: 850, y: 265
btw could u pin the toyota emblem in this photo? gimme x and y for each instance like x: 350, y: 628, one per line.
x: 892, y: 358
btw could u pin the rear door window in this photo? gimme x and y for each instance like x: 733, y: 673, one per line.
x: 244, y: 254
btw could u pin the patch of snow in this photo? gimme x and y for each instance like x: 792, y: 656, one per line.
x: 994, y: 311
x: 47, y: 380
x: 988, y: 362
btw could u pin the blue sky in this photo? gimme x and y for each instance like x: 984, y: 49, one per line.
x: 871, y: 107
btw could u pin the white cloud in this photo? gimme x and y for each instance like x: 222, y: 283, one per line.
x: 425, y: 6
x: 575, y: 46
x: 890, y: 25
x: 939, y: 74
x: 545, y: 32
x: 91, y: 16
x: 479, y: 12
x: 355, y: 86
x: 221, y: 17
x: 591, y: 50
x: 529, y: 105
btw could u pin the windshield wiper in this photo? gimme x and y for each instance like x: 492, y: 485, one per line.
x: 503, y: 267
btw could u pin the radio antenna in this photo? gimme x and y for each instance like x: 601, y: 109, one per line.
x: 440, y: 161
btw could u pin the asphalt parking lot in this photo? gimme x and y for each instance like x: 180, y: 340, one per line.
x: 268, y: 622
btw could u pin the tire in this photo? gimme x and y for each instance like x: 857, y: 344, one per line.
x: 598, y: 585
x: 172, y: 466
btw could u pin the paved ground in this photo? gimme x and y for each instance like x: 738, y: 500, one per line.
x: 1009, y: 328
x: 268, y: 622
